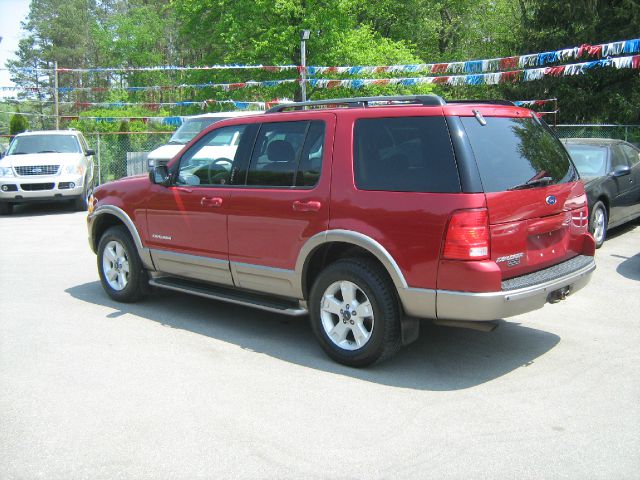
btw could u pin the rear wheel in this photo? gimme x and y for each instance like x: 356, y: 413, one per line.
x: 354, y: 312
x: 6, y: 208
x: 120, y: 268
x: 598, y: 223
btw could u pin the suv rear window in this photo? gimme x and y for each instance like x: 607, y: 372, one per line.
x: 516, y: 153
x: 404, y: 154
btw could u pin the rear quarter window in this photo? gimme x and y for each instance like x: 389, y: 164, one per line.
x: 513, y: 151
x: 404, y: 154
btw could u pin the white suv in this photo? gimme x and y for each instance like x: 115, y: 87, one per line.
x: 191, y: 126
x: 46, y: 166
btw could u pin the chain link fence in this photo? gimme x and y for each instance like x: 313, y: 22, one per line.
x: 629, y: 133
x: 119, y: 154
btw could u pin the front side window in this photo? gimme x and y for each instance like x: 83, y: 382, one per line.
x: 633, y: 155
x: 404, y: 154
x: 287, y: 154
x: 618, y: 158
x: 210, y: 160
x: 44, y: 144
x: 83, y: 142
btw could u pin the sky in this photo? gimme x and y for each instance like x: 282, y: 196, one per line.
x: 12, y: 12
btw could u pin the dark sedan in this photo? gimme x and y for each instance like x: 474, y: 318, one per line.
x: 611, y: 171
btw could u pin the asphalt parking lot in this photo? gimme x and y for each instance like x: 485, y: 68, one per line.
x: 181, y: 387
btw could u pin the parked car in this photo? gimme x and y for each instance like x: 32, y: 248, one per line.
x: 191, y: 126
x: 367, y: 218
x: 611, y: 171
x: 50, y: 165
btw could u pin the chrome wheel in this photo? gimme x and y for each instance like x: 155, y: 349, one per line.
x: 599, y: 225
x: 347, y: 315
x: 115, y: 265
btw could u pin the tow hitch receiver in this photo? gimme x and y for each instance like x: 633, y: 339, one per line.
x: 558, y: 295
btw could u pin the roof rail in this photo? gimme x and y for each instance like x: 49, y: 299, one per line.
x: 426, y: 100
x: 489, y: 102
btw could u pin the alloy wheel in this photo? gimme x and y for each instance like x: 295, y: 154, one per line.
x: 347, y: 315
x: 115, y: 265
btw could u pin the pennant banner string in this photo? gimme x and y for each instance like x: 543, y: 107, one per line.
x: 532, y: 103
x: 154, y: 105
x: 513, y: 76
x: 494, y: 64
x: 600, y: 51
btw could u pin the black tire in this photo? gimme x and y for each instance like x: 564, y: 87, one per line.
x: 137, y: 280
x: 6, y: 208
x: 598, y: 213
x: 371, y: 280
x: 82, y: 202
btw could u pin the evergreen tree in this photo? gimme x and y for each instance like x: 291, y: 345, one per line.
x: 18, y: 124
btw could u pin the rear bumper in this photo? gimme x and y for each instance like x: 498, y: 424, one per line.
x: 512, y: 300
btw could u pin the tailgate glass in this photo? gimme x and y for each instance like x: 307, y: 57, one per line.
x: 517, y: 153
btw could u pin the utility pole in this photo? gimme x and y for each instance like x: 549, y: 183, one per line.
x: 55, y: 95
x: 304, y: 36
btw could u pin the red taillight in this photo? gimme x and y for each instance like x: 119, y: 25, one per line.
x: 580, y: 217
x: 468, y: 235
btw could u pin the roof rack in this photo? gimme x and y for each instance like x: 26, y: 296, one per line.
x: 425, y: 100
x: 489, y: 102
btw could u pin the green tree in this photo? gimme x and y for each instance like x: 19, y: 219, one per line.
x: 602, y: 95
x: 18, y: 124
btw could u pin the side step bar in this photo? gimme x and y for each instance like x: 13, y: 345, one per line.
x: 239, y: 297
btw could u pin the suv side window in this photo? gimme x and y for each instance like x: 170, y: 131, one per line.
x: 210, y: 160
x: 404, y: 154
x: 310, y: 164
x: 287, y: 154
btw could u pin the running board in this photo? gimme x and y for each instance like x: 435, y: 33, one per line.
x: 239, y: 297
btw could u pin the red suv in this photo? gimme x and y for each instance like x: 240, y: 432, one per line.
x: 365, y: 213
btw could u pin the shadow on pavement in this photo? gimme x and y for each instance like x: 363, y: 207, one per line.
x: 442, y: 359
x: 39, y: 209
x: 630, y: 268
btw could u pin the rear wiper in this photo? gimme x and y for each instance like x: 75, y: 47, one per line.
x: 48, y: 151
x: 536, y: 182
x: 19, y: 153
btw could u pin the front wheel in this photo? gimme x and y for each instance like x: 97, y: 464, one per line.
x: 82, y: 202
x: 354, y: 312
x: 120, y: 268
x: 598, y: 223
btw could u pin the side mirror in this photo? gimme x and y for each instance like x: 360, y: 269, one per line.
x: 621, y: 171
x: 160, y: 175
x: 90, y: 152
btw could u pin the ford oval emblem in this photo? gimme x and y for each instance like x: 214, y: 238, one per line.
x: 551, y: 200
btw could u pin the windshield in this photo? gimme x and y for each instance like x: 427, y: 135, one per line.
x: 590, y: 160
x: 44, y: 144
x: 190, y: 128
x: 514, y: 153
